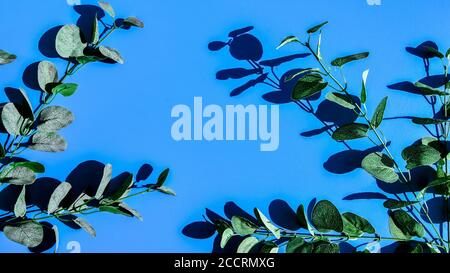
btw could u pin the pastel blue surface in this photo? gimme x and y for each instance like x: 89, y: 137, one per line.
x: 123, y: 111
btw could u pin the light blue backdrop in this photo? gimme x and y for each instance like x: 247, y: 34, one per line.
x: 123, y: 111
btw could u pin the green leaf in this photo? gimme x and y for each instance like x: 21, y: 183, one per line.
x: 436, y: 184
x: 379, y: 113
x: 308, y: 85
x: 106, y: 178
x: 111, y: 53
x: 54, y: 118
x: 130, y: 211
x: 12, y: 120
x: 243, y: 226
x: 247, y: 244
x: 34, y: 166
x: 166, y: 190
x: 48, y: 142
x: 85, y: 226
x: 316, y: 28
x: 420, y: 155
x: 269, y: 247
x: 29, y: 234
x: 267, y: 223
x: 340, y: 99
x: 326, y: 217
x: 108, y: 8
x: 344, y: 60
x: 350, y: 131
x: 6, y: 58
x: 47, y: 74
x: 429, y: 91
x: 57, y: 196
x: 288, y: 40
x: 162, y: 177
x: 396, y: 204
x: 18, y: 176
x: 381, y: 167
x: 87, y: 59
x: 20, y: 208
x: 95, y: 33
x: 363, y: 89
x: 325, y: 247
x: 427, y: 121
x: 115, y: 210
x: 69, y: 43
x: 355, y: 225
x: 225, y: 237
x: 65, y: 89
x: 434, y: 52
x: 298, y: 245
x: 124, y: 186
x: 403, y: 226
x: 303, y: 220
x: 133, y: 21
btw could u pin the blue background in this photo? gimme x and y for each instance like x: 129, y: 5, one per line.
x: 123, y: 111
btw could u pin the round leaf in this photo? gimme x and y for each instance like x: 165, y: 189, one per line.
x: 351, y: 131
x: 307, y: 86
x: 326, y: 217
x: 12, y: 119
x: 111, y: 53
x: 48, y: 142
x: 404, y: 226
x: 29, y: 234
x: 47, y: 73
x: 20, y: 208
x: 69, y: 43
x: 380, y: 166
x: 18, y: 176
x: 420, y: 155
x: 247, y: 244
x: 54, y: 118
x: 243, y: 226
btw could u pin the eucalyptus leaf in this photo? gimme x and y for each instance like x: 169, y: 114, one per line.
x: 108, y: 8
x: 420, y: 155
x: 162, y: 178
x: 65, y: 89
x: 58, y: 196
x: 269, y: 247
x: 88, y: 59
x: 95, y: 32
x: 438, y: 183
x: 243, y: 226
x: 396, y: 204
x: 344, y: 60
x: 69, y: 43
x: 316, y: 28
x: 363, y: 89
x: 133, y: 21
x: 308, y: 86
x: 247, y: 244
x: 48, y: 142
x: 325, y: 217
x: 353, y: 222
x: 106, y: 178
x: 325, y: 247
x: 379, y: 113
x: 18, y: 176
x: 288, y: 40
x: 131, y: 211
x: 34, y: 166
x: 29, y: 234
x: 404, y: 226
x: 85, y: 226
x: 166, y: 190
x: 340, y: 99
x: 225, y: 237
x: 54, y: 118
x: 350, y: 131
x: 123, y: 188
x: 381, y: 167
x: 303, y: 220
x: 298, y: 245
x: 427, y: 121
x: 111, y: 53
x: 267, y: 223
x: 430, y: 91
x: 6, y: 58
x: 47, y: 74
x: 12, y: 120
x: 20, y: 208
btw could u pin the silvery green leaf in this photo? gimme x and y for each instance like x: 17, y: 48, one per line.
x: 115, y: 210
x: 85, y: 226
x: 111, y: 53
x: 54, y: 118
x: 68, y: 42
x: 316, y: 28
x: 107, y: 174
x: 381, y: 167
x: 20, y: 208
x: 18, y: 176
x: 166, y: 190
x: 47, y: 73
x: 420, y: 155
x: 267, y: 223
x: 288, y: 40
x: 225, y: 237
x: 6, y: 58
x: 80, y: 203
x: 48, y: 142
x: 95, y: 32
x: 340, y: 99
x: 56, y: 231
x: 243, y: 226
x: 12, y: 119
x: 131, y: 211
x: 247, y: 244
x: 404, y: 226
x: 133, y: 21
x: 20, y: 99
x: 34, y: 166
x: 326, y: 217
x: 57, y: 196
x: 108, y: 8
x: 29, y: 234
